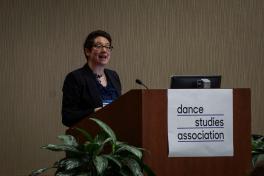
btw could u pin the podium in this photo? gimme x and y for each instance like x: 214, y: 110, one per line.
x: 139, y: 118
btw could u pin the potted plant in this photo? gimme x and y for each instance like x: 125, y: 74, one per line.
x: 102, y: 155
x: 257, y: 149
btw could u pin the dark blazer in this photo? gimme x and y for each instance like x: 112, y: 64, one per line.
x: 81, y: 95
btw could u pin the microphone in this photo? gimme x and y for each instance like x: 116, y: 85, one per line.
x: 141, y: 83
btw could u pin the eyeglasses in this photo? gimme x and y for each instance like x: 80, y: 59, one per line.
x: 100, y: 47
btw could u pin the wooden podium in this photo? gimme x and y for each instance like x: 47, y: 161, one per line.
x: 139, y: 117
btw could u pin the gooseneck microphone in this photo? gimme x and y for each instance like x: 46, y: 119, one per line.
x: 141, y: 83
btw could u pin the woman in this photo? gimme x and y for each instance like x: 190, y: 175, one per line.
x: 89, y: 88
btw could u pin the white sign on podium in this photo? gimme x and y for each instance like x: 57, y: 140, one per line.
x: 200, y: 122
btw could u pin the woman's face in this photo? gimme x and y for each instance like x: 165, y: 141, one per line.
x: 100, y: 53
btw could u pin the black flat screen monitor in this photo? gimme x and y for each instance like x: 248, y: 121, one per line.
x: 194, y: 81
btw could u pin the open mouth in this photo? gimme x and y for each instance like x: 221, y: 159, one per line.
x: 102, y: 56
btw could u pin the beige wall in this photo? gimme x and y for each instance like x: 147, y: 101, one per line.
x: 41, y: 40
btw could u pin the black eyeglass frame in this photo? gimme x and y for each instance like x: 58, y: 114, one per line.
x: 98, y: 46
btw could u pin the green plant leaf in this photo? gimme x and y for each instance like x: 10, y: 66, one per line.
x: 119, y: 143
x: 65, y: 173
x: 88, y: 136
x: 106, y: 128
x: 148, y: 170
x: 114, y: 160
x: 134, y: 150
x: 70, y: 163
x: 134, y: 166
x: 68, y: 140
x: 260, y: 158
x: 75, y: 172
x: 59, y: 148
x: 84, y: 174
x: 100, y: 149
x: 100, y: 137
x: 92, y: 148
x: 100, y: 164
x: 96, y: 147
x: 257, y: 142
x: 254, y: 160
x: 124, y: 172
x: 39, y: 171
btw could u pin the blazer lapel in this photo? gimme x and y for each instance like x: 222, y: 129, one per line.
x: 95, y: 94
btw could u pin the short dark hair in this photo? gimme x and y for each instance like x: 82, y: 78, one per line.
x: 90, y: 38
